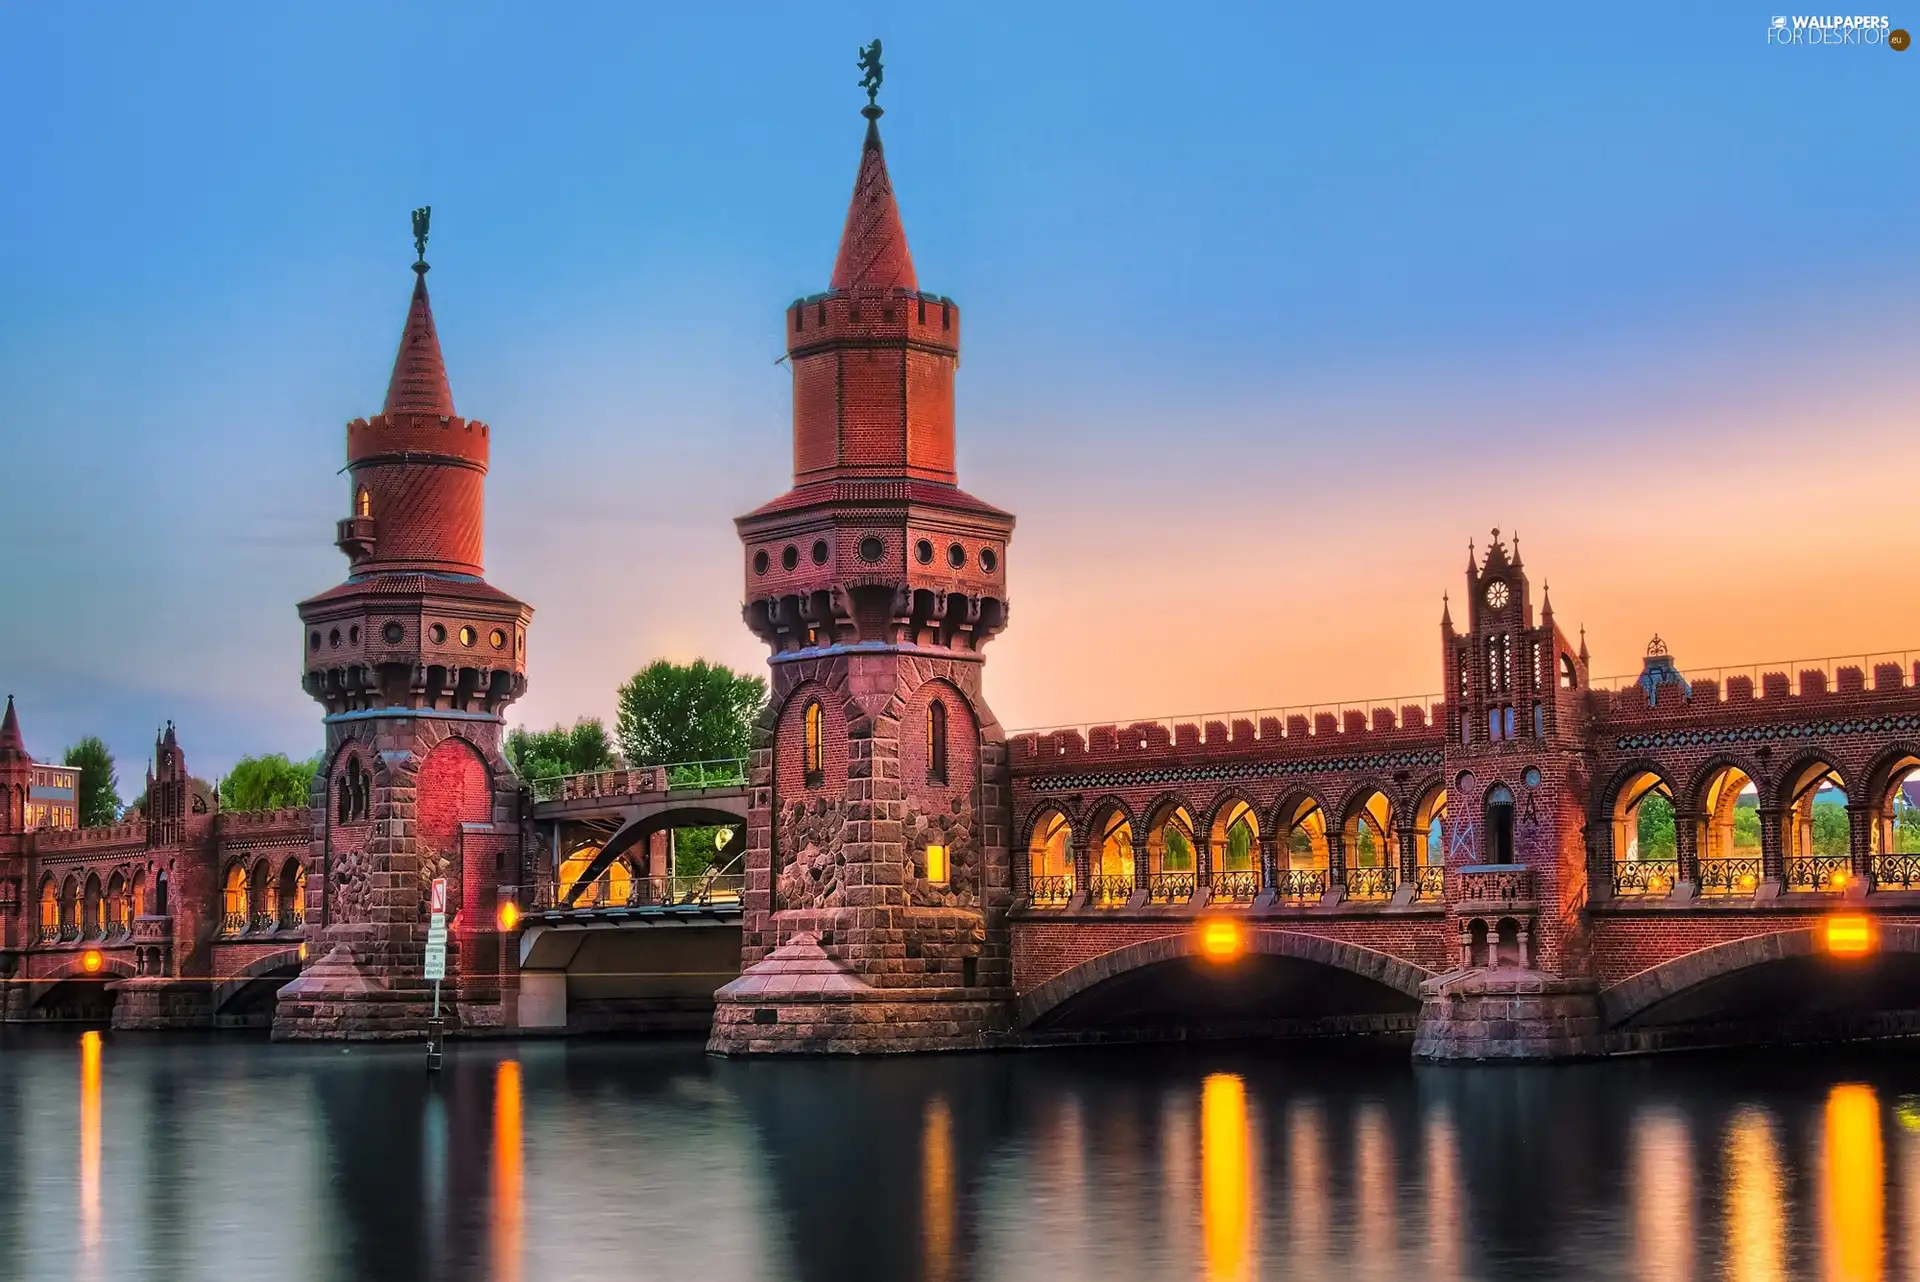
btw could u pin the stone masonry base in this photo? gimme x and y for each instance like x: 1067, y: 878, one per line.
x: 872, y: 1023
x: 1507, y: 1014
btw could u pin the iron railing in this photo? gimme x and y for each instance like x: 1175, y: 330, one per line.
x: 264, y: 923
x: 1818, y: 872
x: 69, y: 931
x: 1049, y: 890
x: 233, y: 924
x: 1429, y: 882
x: 1732, y: 875
x: 1370, y: 883
x: 1235, y: 887
x: 49, y: 934
x: 1896, y: 872
x: 727, y: 772
x: 1300, y: 885
x: 1644, y: 878
x: 1170, y: 887
x: 1109, y: 890
x: 293, y: 920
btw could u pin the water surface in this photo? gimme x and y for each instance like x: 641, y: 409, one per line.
x: 127, y: 1156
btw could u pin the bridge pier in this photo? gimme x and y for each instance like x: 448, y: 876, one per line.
x: 1508, y: 1014
x: 543, y: 1001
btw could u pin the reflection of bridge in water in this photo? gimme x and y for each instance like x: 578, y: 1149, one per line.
x: 616, y: 934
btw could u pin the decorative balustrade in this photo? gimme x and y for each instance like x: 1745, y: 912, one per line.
x: 1108, y: 891
x: 1170, y: 887
x: 69, y: 931
x: 1896, y: 872
x: 292, y: 919
x: 1430, y: 882
x: 1300, y: 885
x: 1496, y: 883
x: 1734, y: 875
x: 1235, y: 887
x: 49, y: 934
x: 1645, y: 878
x: 1050, y: 890
x: 1818, y: 872
x: 1370, y: 883
x: 264, y: 923
x: 233, y: 924
x: 728, y: 772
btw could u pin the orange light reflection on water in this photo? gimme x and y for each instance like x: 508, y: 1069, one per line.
x: 1852, y: 1186
x: 1663, y: 1193
x: 1756, y: 1216
x: 936, y: 1190
x: 90, y: 1153
x: 1226, y: 1179
x: 508, y: 1211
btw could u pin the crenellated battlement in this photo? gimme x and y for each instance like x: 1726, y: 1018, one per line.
x: 72, y: 840
x: 1765, y: 690
x: 249, y: 823
x: 873, y: 318
x: 1307, y: 732
x: 395, y: 433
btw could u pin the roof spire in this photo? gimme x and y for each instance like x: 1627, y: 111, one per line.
x: 873, y: 245
x: 1446, y: 612
x: 12, y: 745
x: 419, y: 383
x: 1546, y: 596
x: 1583, y: 643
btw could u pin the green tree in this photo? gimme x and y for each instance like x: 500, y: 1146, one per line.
x: 699, y: 711
x: 1746, y: 826
x: 1656, y: 828
x: 563, y: 750
x: 271, y: 782
x: 99, y: 784
x: 1829, y: 827
x: 1906, y: 827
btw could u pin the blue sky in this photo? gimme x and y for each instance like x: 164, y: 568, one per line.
x: 1268, y: 311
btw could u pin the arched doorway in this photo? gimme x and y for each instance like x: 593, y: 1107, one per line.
x: 1646, y: 859
x: 1499, y: 826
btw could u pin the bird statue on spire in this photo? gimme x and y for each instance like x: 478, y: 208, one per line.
x: 421, y: 217
x: 870, y: 76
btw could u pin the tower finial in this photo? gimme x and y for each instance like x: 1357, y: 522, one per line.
x: 870, y: 76
x: 421, y: 217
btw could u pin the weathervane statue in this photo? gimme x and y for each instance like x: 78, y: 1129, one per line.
x: 870, y: 78
x: 421, y: 217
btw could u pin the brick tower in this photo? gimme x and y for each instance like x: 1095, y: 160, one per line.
x: 414, y: 658
x: 16, y: 781
x: 878, y: 871
x: 1516, y: 805
x: 16, y: 775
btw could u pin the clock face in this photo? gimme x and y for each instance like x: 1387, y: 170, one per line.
x: 1496, y: 595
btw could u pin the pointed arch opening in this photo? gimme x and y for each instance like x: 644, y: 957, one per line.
x: 1894, y: 835
x: 814, y: 767
x: 1170, y: 855
x: 1112, y: 880
x: 93, y: 909
x: 119, y: 920
x: 70, y: 908
x: 937, y: 742
x: 1646, y: 860
x: 233, y: 906
x: 1050, y: 859
x: 1815, y: 837
x: 49, y: 911
x: 1306, y: 855
x: 1235, y: 844
x: 1727, y: 834
x: 1371, y: 846
x: 363, y: 503
x: 1430, y: 843
x: 293, y: 895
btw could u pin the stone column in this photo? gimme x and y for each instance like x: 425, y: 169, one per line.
x: 1336, y: 859
x: 1773, y: 863
x: 1409, y: 856
x: 1860, y: 839
x: 1686, y: 843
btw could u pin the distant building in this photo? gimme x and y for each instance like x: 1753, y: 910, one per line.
x: 51, y: 798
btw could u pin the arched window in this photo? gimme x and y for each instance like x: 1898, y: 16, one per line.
x: 343, y: 806
x: 937, y: 742
x: 263, y: 896
x: 233, y: 920
x: 362, y: 503
x: 49, y: 911
x: 160, y: 893
x: 137, y: 893
x: 1499, y: 849
x: 92, y: 909
x: 1569, y: 675
x: 815, y: 770
x: 1050, y: 860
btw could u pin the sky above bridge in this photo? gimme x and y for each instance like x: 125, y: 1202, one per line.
x: 1266, y: 315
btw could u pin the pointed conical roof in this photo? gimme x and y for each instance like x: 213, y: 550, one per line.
x: 12, y: 746
x: 873, y: 247
x: 419, y: 383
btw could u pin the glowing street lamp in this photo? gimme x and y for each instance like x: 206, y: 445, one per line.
x: 1221, y: 941
x: 91, y: 961
x: 1849, y: 935
x: 509, y: 915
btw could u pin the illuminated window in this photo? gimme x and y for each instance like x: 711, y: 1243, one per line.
x: 814, y: 769
x: 937, y: 865
x: 363, y: 503
x: 234, y: 897
x: 937, y: 742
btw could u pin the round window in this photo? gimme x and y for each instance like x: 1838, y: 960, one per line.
x: 333, y: 638
x: 467, y: 635
x: 872, y: 549
x: 760, y: 562
x: 313, y: 641
x: 923, y: 551
x: 790, y: 557
x: 819, y: 551
x: 956, y: 555
x: 499, y: 639
x: 437, y: 633
x: 989, y: 559
x: 1532, y: 777
x: 392, y: 633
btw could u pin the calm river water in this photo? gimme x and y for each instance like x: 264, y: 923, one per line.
x: 135, y: 1157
